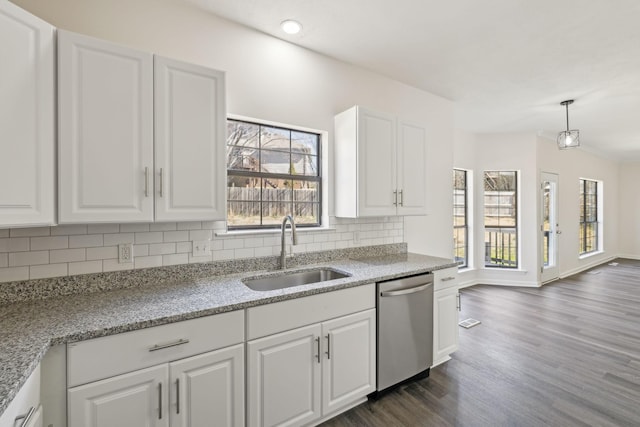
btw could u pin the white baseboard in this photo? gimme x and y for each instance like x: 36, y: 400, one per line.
x: 499, y: 282
x: 586, y: 266
x: 628, y: 256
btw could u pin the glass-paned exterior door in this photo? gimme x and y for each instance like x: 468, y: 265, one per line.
x: 549, y: 226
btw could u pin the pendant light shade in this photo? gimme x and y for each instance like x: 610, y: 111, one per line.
x: 568, y: 138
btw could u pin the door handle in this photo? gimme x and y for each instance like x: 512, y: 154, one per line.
x: 328, y: 352
x: 146, y: 182
x: 405, y: 291
x: 161, y: 183
x: 318, y: 343
x: 26, y: 417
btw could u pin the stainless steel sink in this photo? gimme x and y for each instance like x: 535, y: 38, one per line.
x: 297, y: 278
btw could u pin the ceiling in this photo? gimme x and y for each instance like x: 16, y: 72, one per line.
x: 507, y: 64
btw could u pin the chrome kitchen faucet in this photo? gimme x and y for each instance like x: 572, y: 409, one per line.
x: 294, y: 240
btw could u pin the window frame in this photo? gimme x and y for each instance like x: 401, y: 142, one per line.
x: 318, y: 179
x: 515, y: 227
x: 583, y: 224
x: 465, y: 264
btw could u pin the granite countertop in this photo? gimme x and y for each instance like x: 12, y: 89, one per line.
x: 28, y: 329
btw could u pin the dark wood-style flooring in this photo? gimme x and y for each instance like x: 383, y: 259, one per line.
x: 566, y: 354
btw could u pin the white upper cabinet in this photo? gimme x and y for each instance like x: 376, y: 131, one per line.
x: 138, y: 132
x: 381, y: 165
x: 190, y: 133
x: 27, y: 119
x: 105, y: 115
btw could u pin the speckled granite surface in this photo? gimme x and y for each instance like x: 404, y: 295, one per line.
x: 29, y: 328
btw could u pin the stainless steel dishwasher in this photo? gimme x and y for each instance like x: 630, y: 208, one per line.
x: 405, y: 329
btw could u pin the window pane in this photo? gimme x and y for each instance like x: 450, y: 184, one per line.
x: 243, y: 158
x: 242, y: 134
x: 275, y: 162
x: 272, y: 138
x: 500, y: 219
x: 243, y: 197
x: 277, y: 196
x: 588, y: 216
x: 304, y: 143
x: 306, y: 213
x: 304, y: 164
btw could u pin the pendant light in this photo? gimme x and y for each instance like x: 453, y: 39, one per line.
x: 568, y: 138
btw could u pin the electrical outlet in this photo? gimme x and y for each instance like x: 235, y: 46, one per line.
x: 201, y: 247
x: 125, y: 253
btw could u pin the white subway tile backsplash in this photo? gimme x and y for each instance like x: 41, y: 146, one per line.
x: 134, y: 228
x: 48, y: 270
x: 163, y: 226
x: 52, y: 242
x: 175, y: 259
x: 30, y: 232
x: 148, y: 261
x: 117, y: 239
x: 200, y: 235
x: 105, y: 252
x: 10, y: 274
x: 86, y: 241
x: 196, y: 225
x: 175, y: 236
x: 114, y: 265
x: 140, y: 250
x: 19, y: 259
x: 81, y: 249
x: 19, y: 244
x: 162, y: 248
x: 150, y: 237
x: 103, y: 228
x: 85, y: 267
x: 67, y: 255
x: 68, y: 230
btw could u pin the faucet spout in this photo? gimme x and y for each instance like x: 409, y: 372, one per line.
x: 294, y: 239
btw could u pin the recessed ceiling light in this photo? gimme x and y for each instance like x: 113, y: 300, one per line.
x: 290, y: 26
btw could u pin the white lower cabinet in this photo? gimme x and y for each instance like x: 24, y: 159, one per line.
x: 25, y: 409
x: 298, y: 377
x: 445, y: 314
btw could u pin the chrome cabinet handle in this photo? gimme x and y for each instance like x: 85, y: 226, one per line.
x: 167, y: 345
x: 328, y: 352
x: 25, y: 417
x: 318, y: 343
x: 395, y: 198
x: 459, y: 298
x: 159, y: 401
x: 161, y: 183
x: 405, y: 291
x: 177, y: 395
x: 446, y: 279
x: 401, y: 198
x: 146, y: 182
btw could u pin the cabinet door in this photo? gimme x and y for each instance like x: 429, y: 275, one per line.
x: 27, y: 85
x: 445, y: 328
x: 136, y: 399
x: 349, y: 354
x: 208, y: 389
x: 283, y: 374
x: 376, y: 163
x: 190, y: 137
x: 412, y: 169
x: 105, y: 131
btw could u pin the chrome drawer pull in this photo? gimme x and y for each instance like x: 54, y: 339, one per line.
x: 146, y: 182
x: 446, y: 279
x: 328, y: 352
x: 177, y: 395
x: 26, y: 417
x: 167, y: 345
x: 159, y: 401
x: 318, y: 342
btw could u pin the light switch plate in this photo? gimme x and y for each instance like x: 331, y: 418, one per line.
x: 201, y: 247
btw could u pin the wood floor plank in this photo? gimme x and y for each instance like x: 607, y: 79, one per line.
x: 566, y: 354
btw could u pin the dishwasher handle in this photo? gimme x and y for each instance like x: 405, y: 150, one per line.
x: 406, y: 291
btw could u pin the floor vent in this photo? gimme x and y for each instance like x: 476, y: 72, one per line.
x: 469, y: 323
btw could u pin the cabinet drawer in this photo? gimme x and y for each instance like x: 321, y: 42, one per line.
x: 282, y: 316
x: 104, y: 357
x: 444, y: 279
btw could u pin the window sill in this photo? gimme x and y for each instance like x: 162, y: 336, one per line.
x: 590, y: 254
x: 515, y: 270
x: 465, y: 269
x: 270, y: 231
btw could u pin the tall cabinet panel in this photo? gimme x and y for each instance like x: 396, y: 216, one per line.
x: 105, y: 131
x: 412, y: 169
x: 27, y: 118
x: 190, y: 130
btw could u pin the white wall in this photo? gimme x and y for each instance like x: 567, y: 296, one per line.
x: 629, y: 197
x: 267, y: 79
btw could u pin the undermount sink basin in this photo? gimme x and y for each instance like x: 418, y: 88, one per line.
x: 287, y: 280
